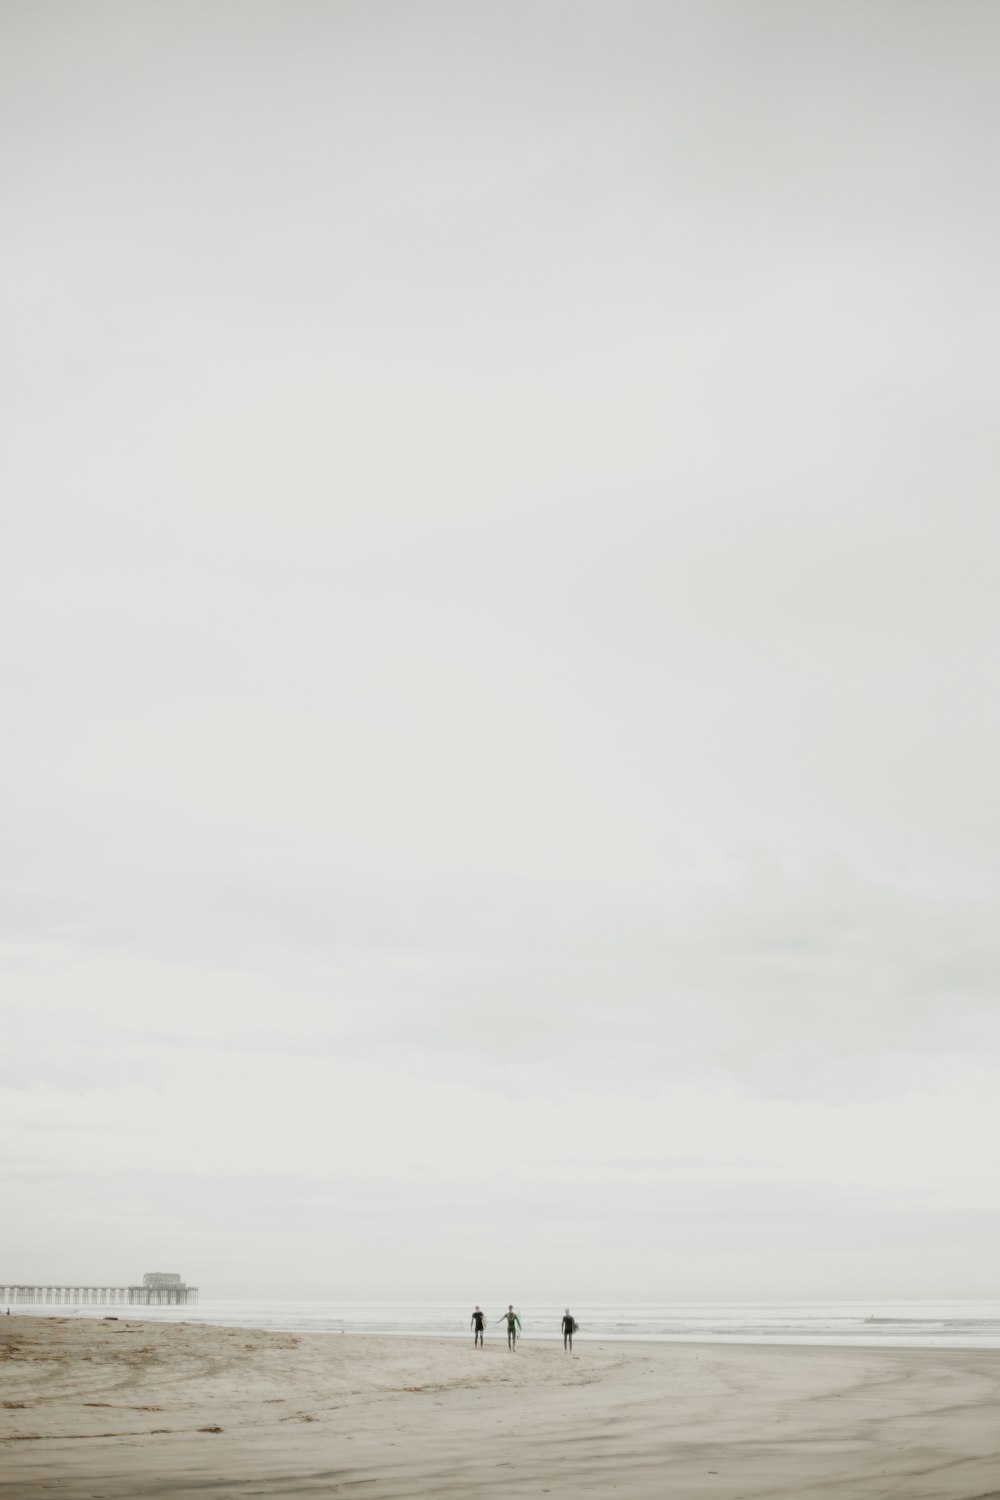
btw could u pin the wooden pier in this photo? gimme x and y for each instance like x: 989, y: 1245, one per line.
x: 157, y: 1290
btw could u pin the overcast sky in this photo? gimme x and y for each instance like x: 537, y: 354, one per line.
x: 499, y: 633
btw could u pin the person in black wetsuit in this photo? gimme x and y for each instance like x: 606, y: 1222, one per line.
x: 478, y: 1326
x: 568, y: 1325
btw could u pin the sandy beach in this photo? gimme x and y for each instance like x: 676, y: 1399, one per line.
x: 122, y: 1408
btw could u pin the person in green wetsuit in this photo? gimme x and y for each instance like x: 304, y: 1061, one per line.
x: 513, y: 1322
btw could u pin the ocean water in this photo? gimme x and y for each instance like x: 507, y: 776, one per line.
x: 923, y: 1325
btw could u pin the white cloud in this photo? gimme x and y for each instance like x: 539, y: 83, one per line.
x: 498, y: 624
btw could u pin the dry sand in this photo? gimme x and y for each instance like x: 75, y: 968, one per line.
x: 126, y: 1408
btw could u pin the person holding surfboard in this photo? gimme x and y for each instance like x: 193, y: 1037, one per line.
x: 513, y: 1322
x: 478, y: 1326
x: 569, y: 1327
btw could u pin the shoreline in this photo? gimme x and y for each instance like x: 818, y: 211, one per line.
x: 128, y: 1407
x: 880, y: 1340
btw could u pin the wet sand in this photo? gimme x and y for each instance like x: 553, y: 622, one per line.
x: 123, y: 1408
